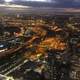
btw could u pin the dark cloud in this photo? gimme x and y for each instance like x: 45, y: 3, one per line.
x: 54, y: 3
x: 1, y: 1
x: 58, y: 3
x: 68, y: 3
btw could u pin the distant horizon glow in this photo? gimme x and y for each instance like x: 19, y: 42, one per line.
x: 8, y: 0
x: 38, y: 0
x: 35, y: 0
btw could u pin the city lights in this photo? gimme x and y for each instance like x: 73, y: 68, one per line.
x: 39, y: 40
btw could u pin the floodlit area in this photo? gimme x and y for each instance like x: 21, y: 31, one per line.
x: 39, y: 40
x: 36, y: 47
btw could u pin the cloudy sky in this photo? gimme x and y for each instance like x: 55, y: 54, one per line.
x: 51, y: 3
x: 68, y: 3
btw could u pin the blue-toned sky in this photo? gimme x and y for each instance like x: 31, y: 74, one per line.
x: 51, y: 3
